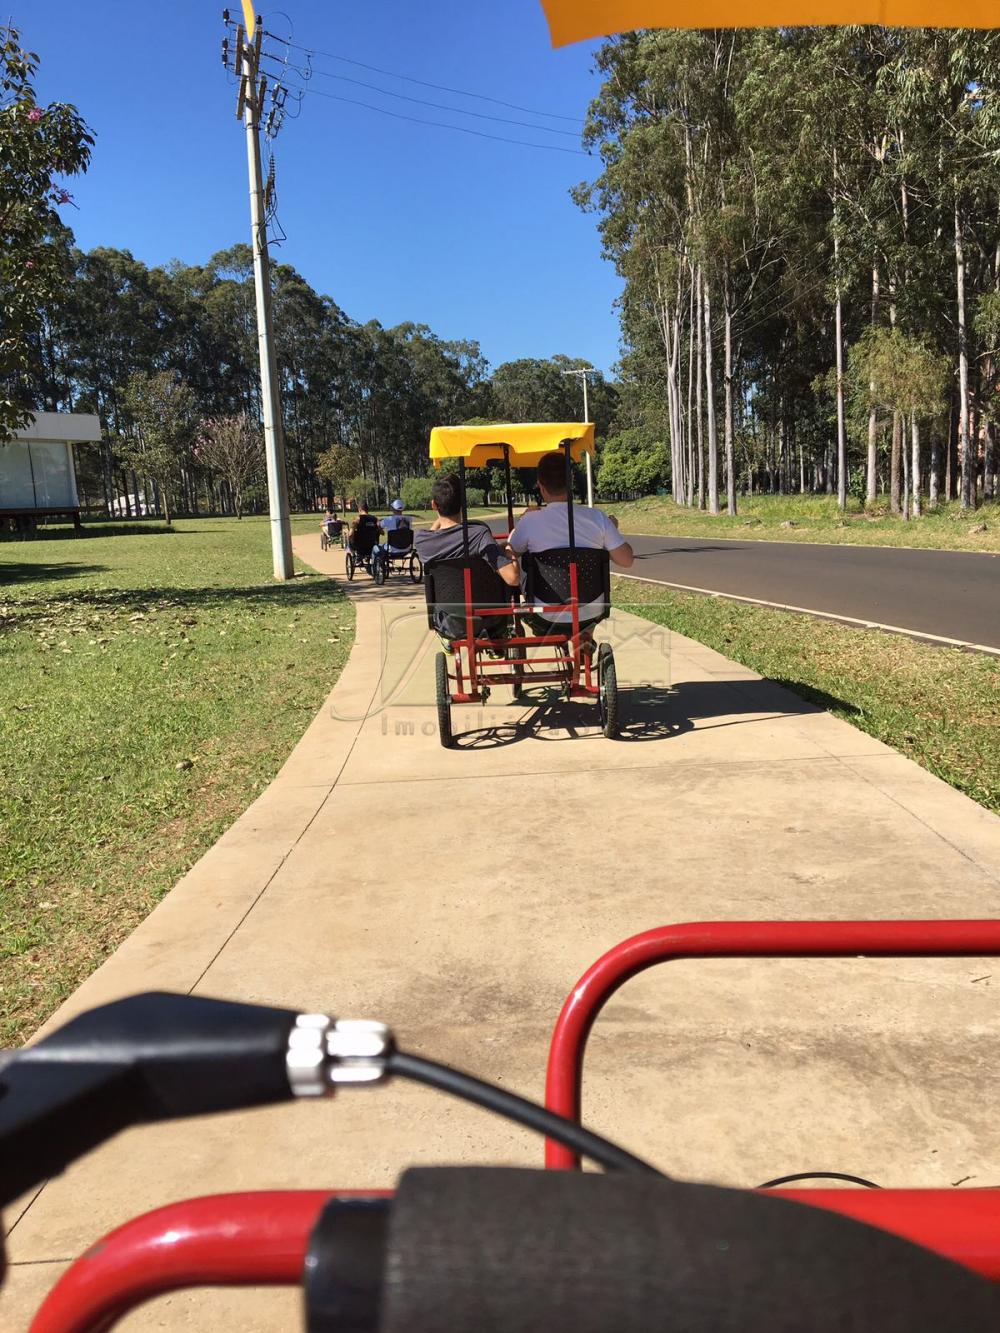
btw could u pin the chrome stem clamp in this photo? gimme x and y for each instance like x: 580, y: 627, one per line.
x: 324, y: 1053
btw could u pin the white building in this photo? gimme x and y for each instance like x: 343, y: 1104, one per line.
x: 37, y: 472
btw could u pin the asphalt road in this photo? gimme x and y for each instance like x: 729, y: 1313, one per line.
x: 948, y: 594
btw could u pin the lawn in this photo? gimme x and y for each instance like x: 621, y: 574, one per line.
x: 152, y: 684
x: 814, y: 518
x: 939, y: 706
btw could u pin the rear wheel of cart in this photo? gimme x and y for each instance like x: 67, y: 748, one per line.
x: 607, y: 690
x: 443, y: 698
x: 416, y: 568
x: 379, y: 569
x: 352, y: 564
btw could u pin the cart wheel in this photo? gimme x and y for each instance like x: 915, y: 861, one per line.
x: 416, y: 568
x: 352, y: 564
x: 607, y: 685
x: 324, y: 542
x: 379, y: 570
x: 443, y: 698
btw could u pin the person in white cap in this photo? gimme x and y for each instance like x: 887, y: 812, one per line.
x: 397, y: 519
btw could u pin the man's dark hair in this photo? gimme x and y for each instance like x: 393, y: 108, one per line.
x: 447, y: 495
x: 552, y: 473
x: 363, y: 507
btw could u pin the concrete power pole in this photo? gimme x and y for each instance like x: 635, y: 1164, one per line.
x: 583, y: 373
x: 249, y: 108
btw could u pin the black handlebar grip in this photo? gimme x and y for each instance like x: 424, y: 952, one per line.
x: 517, y: 1251
x: 149, y: 1057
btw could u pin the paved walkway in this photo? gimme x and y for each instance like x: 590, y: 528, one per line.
x: 458, y: 894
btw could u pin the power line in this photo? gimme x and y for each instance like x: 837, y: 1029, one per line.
x: 306, y: 74
x: 439, y: 124
x: 438, y: 87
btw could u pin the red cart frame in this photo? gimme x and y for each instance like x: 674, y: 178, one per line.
x: 470, y: 668
x: 261, y: 1238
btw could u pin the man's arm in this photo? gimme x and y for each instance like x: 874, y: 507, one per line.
x: 622, y: 555
x: 510, y: 573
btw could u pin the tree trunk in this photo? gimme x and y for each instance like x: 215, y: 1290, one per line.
x: 990, y: 463
x: 713, y: 442
x: 965, y: 439
x: 841, y: 428
x: 897, y: 441
x: 871, y: 485
x: 915, y: 477
x: 689, y: 494
x: 700, y: 367
x: 906, y: 476
x: 728, y: 429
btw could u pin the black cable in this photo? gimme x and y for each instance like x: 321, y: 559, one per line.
x: 417, y: 120
x: 408, y: 78
x: 820, y: 1175
x: 512, y: 1107
x: 420, y: 101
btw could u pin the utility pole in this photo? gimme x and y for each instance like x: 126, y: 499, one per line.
x: 583, y: 373
x: 249, y: 109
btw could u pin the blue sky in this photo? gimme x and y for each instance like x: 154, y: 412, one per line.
x: 394, y: 220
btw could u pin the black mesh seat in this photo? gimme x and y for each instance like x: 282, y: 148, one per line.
x: 547, y: 577
x: 444, y: 588
x: 399, y: 540
x: 365, y: 541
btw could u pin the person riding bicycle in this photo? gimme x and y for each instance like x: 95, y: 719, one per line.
x: 331, y: 526
x: 367, y: 524
x: 443, y: 541
x: 397, y: 521
x: 547, y: 529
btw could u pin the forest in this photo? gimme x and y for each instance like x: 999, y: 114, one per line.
x: 168, y: 357
x: 807, y: 222
x: 807, y: 226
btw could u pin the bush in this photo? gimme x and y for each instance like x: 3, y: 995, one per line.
x: 474, y: 496
x: 416, y: 492
x: 362, y: 489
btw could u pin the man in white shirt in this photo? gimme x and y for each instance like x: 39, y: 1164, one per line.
x: 548, y: 529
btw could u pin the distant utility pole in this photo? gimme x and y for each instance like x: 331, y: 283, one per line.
x: 249, y: 109
x: 583, y: 372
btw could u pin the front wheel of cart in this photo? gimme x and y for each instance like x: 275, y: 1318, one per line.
x: 352, y: 565
x: 416, y: 568
x: 379, y: 570
x: 443, y: 698
x: 607, y: 690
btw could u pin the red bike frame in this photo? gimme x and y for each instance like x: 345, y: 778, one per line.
x: 256, y: 1239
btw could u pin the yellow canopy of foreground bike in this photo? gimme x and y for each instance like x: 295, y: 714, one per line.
x: 575, y: 20
x: 527, y: 443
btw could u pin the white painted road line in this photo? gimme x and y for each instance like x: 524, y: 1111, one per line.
x: 822, y: 615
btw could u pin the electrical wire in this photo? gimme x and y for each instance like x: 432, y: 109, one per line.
x: 420, y: 101
x: 819, y: 1175
x: 438, y: 87
x: 438, y: 124
x: 519, y: 1109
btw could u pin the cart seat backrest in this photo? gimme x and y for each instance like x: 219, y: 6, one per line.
x: 400, y: 539
x: 547, y: 576
x: 444, y: 586
x: 365, y: 540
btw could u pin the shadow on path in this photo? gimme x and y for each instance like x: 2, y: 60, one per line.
x: 652, y: 713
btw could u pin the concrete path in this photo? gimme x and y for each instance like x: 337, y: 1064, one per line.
x: 459, y: 894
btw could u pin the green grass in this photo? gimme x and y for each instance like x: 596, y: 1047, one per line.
x: 816, y: 519
x: 151, y: 686
x: 938, y: 706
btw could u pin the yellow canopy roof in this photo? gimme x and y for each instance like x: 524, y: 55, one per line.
x: 574, y: 20
x: 528, y: 443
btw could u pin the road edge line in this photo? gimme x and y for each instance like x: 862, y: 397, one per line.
x: 821, y: 615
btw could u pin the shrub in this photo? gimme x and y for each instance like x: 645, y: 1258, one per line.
x: 474, y: 496
x: 362, y: 489
x: 416, y: 492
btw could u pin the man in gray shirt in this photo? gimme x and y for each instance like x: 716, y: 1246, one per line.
x: 443, y: 541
